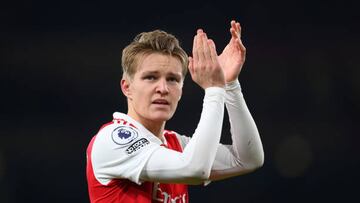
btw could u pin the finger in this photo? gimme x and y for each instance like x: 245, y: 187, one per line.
x: 234, y: 34
x: 238, y: 29
x: 206, y: 47
x: 200, y: 46
x: 236, y: 26
x: 195, y: 49
x: 213, y: 52
x: 233, y: 24
x: 241, y: 45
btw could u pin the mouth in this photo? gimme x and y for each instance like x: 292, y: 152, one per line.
x: 161, y: 102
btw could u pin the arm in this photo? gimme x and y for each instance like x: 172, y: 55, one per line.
x: 193, y: 166
x: 246, y: 152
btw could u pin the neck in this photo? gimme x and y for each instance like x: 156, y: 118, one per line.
x: 155, y: 128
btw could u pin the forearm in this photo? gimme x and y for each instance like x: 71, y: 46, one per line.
x: 194, y: 164
x: 246, y: 142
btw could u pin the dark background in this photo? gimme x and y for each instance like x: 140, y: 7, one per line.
x: 60, y: 73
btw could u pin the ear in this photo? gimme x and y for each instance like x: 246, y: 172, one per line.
x: 125, y: 87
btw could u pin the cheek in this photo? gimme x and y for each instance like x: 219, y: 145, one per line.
x: 177, y: 94
x: 180, y: 94
x: 139, y: 90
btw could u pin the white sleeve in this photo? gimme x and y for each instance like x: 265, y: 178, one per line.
x: 193, y: 165
x: 246, y: 152
x: 120, y: 151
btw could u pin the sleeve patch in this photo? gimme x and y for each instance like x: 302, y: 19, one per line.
x: 124, y: 135
x: 137, y: 145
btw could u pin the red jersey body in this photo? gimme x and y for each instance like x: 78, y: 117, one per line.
x: 116, y: 190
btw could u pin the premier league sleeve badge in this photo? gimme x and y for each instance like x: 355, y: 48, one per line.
x: 124, y: 135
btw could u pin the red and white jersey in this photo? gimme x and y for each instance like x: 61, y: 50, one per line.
x: 124, y: 150
x: 116, y: 157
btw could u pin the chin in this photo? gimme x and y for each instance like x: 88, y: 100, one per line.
x: 161, y: 116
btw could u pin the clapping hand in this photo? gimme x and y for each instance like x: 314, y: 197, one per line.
x: 232, y: 57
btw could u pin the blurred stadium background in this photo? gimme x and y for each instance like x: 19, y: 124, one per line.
x: 60, y: 73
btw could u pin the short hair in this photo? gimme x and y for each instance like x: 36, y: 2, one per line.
x: 145, y: 43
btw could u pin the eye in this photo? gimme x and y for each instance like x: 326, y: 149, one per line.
x: 149, y: 77
x: 173, y: 79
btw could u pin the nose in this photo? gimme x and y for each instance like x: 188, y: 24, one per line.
x: 162, y: 87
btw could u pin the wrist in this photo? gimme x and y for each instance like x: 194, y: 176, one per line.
x: 232, y: 85
x: 219, y: 85
x: 215, y: 92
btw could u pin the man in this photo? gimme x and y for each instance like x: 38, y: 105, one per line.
x: 134, y: 159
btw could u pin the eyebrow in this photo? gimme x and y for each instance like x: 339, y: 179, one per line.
x: 175, y: 75
x: 157, y: 72
x: 149, y: 72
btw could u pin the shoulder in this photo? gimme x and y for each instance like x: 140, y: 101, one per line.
x: 120, y: 149
x: 122, y: 133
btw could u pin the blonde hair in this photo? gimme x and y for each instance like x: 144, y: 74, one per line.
x: 145, y: 43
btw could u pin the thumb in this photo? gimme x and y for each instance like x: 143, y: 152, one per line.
x: 191, y: 65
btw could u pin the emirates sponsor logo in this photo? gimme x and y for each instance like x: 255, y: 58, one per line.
x: 162, y: 196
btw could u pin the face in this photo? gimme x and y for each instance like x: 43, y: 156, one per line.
x: 155, y: 89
